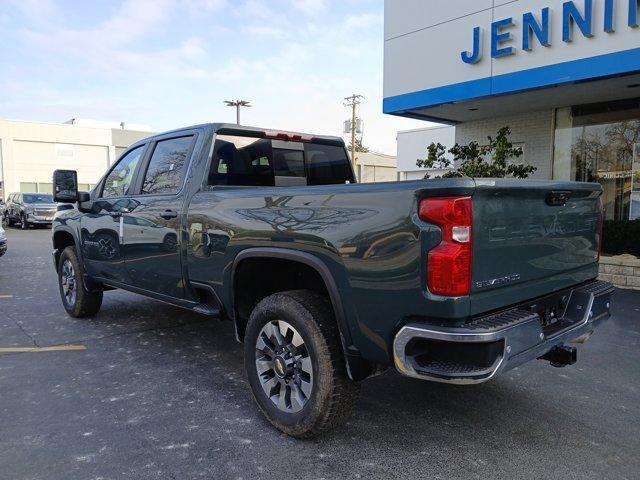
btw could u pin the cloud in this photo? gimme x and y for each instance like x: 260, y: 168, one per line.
x: 170, y: 64
x: 309, y: 7
x: 35, y: 12
x: 264, y: 31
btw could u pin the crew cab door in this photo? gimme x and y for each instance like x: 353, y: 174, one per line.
x: 152, y: 230
x: 101, y: 230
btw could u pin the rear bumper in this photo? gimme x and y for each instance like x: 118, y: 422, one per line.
x: 482, y: 349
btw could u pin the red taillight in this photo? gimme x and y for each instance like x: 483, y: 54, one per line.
x: 449, y: 264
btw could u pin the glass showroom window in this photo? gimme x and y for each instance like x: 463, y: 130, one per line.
x: 598, y: 143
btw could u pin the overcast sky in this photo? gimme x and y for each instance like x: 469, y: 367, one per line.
x: 170, y: 63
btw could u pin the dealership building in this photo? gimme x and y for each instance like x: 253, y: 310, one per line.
x: 563, y: 75
x: 31, y: 151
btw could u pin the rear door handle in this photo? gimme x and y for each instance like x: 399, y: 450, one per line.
x: 167, y: 214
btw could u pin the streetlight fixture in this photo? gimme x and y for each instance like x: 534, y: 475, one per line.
x: 238, y: 104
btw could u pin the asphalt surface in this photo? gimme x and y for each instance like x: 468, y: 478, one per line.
x: 160, y: 393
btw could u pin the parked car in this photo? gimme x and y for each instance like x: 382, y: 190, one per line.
x: 3, y: 241
x: 1, y: 207
x: 327, y: 281
x: 27, y: 209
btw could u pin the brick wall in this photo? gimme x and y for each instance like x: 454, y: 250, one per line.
x: 533, y: 131
x: 621, y: 270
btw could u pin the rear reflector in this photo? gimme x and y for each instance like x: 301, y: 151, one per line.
x: 449, y: 264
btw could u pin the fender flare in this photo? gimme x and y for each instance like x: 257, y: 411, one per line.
x: 76, y: 241
x: 357, y: 367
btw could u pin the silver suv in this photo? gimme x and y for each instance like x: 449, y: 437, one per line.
x: 27, y: 209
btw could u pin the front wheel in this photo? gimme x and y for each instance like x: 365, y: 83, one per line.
x: 295, y: 364
x: 6, y: 220
x: 23, y: 222
x: 76, y: 299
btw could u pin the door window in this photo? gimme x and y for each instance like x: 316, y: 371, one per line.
x: 167, y: 166
x: 118, y: 181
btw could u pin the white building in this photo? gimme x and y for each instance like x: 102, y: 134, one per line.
x: 31, y: 151
x: 563, y: 75
x: 412, y: 146
x: 375, y: 167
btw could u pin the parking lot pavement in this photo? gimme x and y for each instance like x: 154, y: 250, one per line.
x: 160, y: 393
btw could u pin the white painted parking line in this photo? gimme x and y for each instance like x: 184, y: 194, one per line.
x: 55, y: 348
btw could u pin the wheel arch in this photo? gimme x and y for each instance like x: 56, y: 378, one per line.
x: 357, y: 367
x: 62, y: 238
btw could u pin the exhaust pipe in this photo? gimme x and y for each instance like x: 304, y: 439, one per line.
x: 561, y: 356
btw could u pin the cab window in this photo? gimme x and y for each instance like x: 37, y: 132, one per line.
x: 253, y: 161
x: 327, y: 165
x: 241, y: 161
x: 167, y: 166
x: 119, y: 179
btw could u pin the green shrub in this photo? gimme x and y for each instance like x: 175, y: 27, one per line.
x: 621, y: 236
x: 479, y: 161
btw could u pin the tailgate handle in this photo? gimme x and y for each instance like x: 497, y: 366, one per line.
x: 558, y: 198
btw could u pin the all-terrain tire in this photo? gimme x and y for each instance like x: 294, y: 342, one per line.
x: 84, y: 303
x: 333, y: 395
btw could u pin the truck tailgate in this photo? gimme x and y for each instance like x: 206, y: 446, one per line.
x: 532, y: 236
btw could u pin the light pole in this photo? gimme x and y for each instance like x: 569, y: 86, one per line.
x: 238, y: 104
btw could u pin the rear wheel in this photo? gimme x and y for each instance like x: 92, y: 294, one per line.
x: 76, y: 299
x: 6, y: 220
x: 295, y: 364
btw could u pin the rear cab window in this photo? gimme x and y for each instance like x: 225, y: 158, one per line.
x: 240, y: 160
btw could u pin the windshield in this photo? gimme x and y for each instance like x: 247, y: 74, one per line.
x: 37, y: 198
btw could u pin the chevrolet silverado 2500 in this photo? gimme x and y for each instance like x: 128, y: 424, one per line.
x: 328, y: 281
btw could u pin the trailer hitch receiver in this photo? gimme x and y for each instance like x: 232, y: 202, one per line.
x: 561, y: 356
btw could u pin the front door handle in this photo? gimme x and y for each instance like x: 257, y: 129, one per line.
x: 167, y: 214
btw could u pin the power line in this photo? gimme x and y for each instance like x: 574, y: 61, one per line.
x: 353, y: 101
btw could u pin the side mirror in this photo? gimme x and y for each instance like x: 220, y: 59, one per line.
x: 65, y: 186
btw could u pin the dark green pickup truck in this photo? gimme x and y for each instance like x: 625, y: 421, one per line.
x: 328, y: 281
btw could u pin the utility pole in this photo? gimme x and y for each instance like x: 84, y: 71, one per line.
x: 353, y: 101
x: 238, y: 104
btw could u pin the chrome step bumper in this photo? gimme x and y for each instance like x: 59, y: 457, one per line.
x: 478, y: 351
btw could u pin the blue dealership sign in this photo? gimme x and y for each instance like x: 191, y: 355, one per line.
x: 539, y: 28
